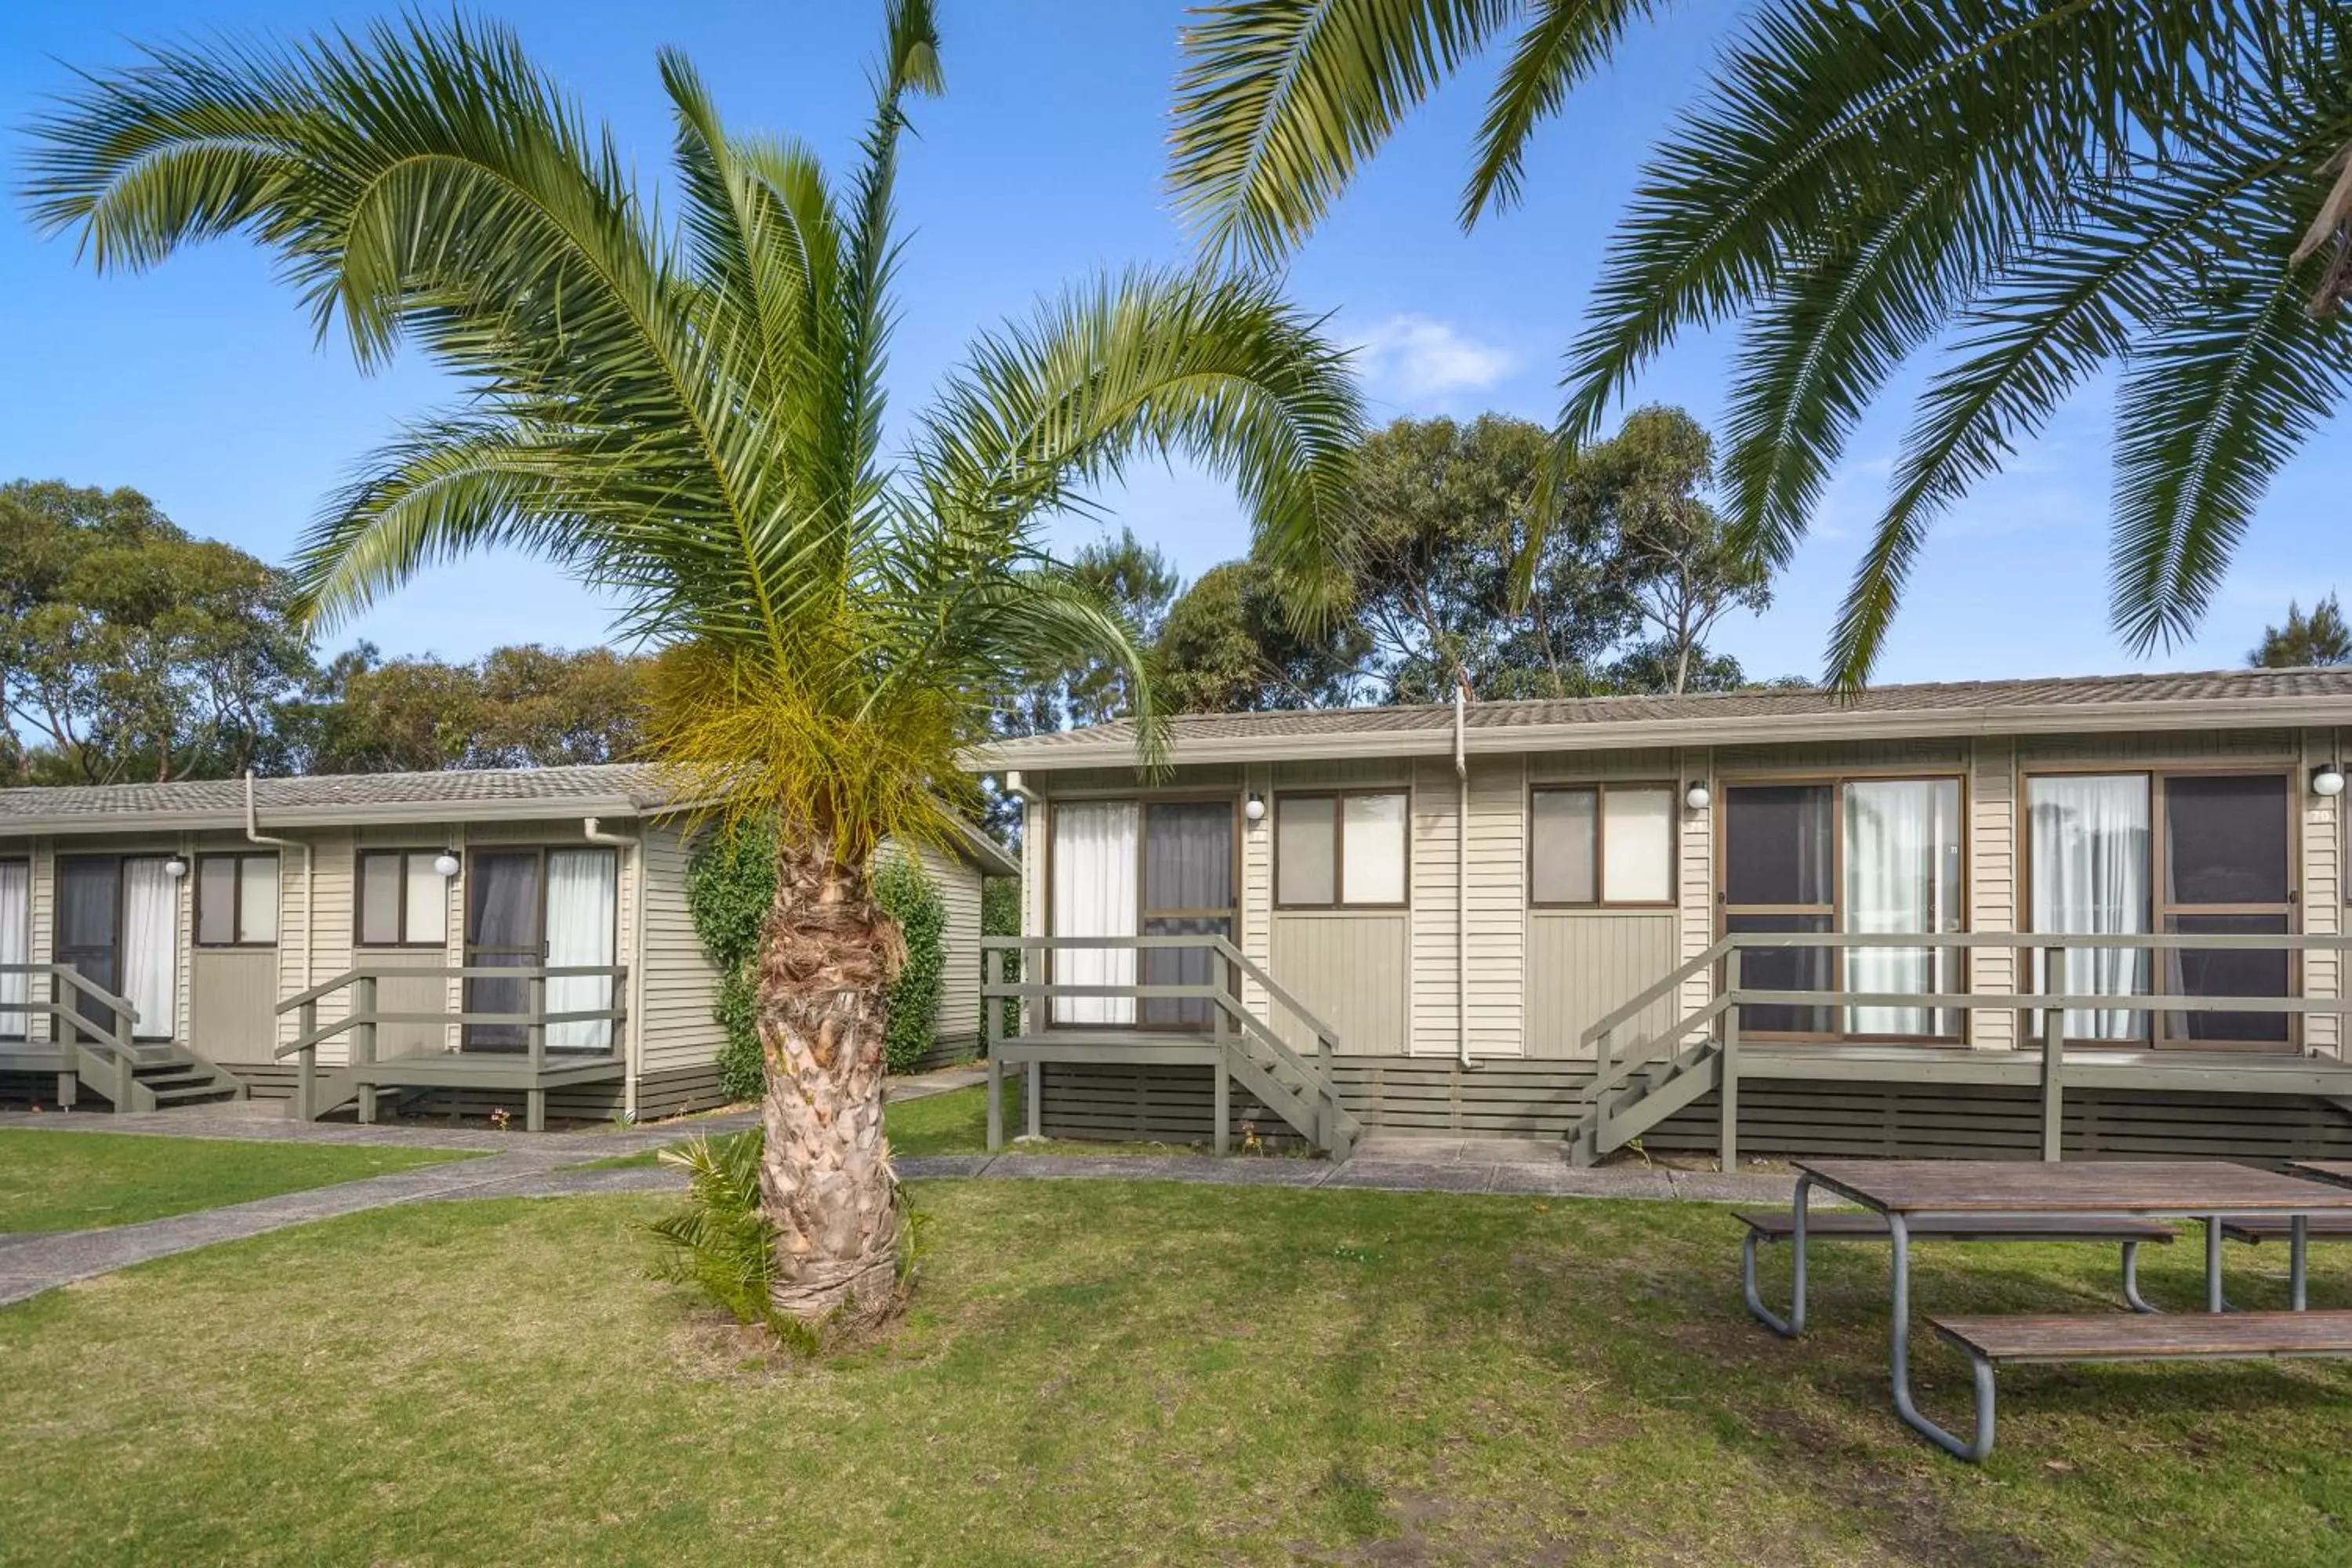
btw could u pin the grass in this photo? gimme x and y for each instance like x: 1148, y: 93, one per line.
x: 75, y: 1181
x: 954, y: 1122
x: 1129, y: 1373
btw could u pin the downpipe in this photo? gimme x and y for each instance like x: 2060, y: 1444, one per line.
x: 591, y: 830
x: 1462, y: 874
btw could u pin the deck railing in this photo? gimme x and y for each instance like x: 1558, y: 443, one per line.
x: 109, y: 1056
x: 361, y: 1018
x: 1245, y: 1038
x: 1714, y: 1025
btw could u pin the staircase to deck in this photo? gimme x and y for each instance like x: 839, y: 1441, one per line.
x: 95, y: 1047
x: 1638, y: 1086
x: 1236, y: 1044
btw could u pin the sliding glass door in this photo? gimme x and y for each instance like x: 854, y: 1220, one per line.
x: 2221, y: 865
x: 1125, y: 868
x: 1860, y: 855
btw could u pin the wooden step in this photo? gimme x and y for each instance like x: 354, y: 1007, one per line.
x: 1848, y: 1225
x: 2151, y: 1336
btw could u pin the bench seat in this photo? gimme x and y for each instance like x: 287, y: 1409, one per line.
x: 2256, y: 1228
x: 1849, y: 1224
x: 1990, y: 1342
x: 2133, y: 1336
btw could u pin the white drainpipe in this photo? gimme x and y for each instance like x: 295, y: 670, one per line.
x: 1461, y: 877
x: 632, y: 1042
x: 254, y: 835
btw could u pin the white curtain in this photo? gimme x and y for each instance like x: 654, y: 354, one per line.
x: 151, y: 947
x: 2090, y: 875
x: 1095, y: 895
x: 1902, y: 874
x: 16, y: 947
x: 582, y: 898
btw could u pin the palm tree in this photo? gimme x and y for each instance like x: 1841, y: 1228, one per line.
x: 2038, y: 191
x: 691, y: 419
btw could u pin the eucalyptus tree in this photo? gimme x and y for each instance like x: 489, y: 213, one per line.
x: 689, y: 415
x: 2034, y: 191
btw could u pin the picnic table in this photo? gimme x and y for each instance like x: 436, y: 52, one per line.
x: 1941, y: 1194
x: 2336, y: 1171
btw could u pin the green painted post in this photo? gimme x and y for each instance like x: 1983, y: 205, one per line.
x: 362, y: 1045
x: 996, y: 1100
x: 535, y: 1097
x: 306, y: 1077
x: 124, y: 1078
x: 1727, y: 1154
x: 1033, y: 1088
x: 1221, y: 1107
x: 2054, y: 1057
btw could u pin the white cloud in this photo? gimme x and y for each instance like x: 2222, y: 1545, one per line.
x: 1416, y: 357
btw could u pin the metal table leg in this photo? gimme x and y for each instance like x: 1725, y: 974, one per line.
x: 1899, y: 1231
x: 1792, y: 1325
x: 2132, y: 1298
x: 2213, y: 1301
x: 2298, y: 1241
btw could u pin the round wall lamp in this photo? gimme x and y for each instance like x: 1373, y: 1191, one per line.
x: 177, y: 868
x: 445, y: 863
x: 1696, y: 798
x: 1255, y: 808
x: 2326, y: 779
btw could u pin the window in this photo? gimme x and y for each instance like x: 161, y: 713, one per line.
x: 1335, y: 850
x: 2185, y: 854
x: 16, y: 947
x: 404, y: 901
x: 1859, y: 856
x: 236, y: 901
x: 1603, y: 844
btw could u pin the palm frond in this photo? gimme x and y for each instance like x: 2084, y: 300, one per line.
x: 1563, y: 42
x: 1280, y: 102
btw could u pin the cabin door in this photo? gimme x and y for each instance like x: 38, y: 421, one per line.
x: 505, y: 929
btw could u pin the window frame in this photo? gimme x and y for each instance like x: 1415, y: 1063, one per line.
x: 359, y: 903
x: 22, y: 1021
x: 1339, y: 796
x: 1835, y: 780
x: 2162, y: 911
x: 1600, y: 789
x: 236, y: 901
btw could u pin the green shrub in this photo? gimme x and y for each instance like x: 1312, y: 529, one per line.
x: 730, y: 884
x: 1000, y: 915
x: 718, y: 1242
x: 906, y: 895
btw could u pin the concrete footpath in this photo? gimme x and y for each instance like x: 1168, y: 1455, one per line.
x: 521, y: 1165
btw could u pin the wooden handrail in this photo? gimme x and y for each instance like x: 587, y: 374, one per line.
x: 1690, y: 971
x: 615, y: 972
x: 315, y: 1033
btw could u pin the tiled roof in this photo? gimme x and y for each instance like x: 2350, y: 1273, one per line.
x: 619, y: 783
x: 1896, y: 703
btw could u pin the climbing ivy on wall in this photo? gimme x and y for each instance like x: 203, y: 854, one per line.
x: 908, y: 897
x: 731, y: 882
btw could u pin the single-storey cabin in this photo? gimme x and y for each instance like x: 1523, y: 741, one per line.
x: 513, y: 938
x: 2026, y: 918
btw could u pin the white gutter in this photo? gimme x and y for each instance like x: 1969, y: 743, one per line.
x: 254, y: 835
x: 1461, y: 877
x: 633, y: 1045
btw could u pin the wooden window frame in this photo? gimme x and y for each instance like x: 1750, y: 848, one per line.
x: 236, y: 901
x: 359, y: 904
x: 1599, y: 789
x: 2160, y: 909
x: 1338, y: 799
x: 22, y: 1022
x: 1835, y: 781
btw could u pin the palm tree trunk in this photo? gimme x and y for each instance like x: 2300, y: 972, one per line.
x: 824, y: 961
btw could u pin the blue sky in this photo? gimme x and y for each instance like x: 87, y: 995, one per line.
x: 201, y: 384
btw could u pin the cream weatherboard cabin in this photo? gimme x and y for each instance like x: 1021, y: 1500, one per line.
x: 1770, y: 921
x: 462, y: 940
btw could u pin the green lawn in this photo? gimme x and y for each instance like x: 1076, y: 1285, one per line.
x: 1128, y: 1372
x: 73, y: 1180
x: 955, y: 1122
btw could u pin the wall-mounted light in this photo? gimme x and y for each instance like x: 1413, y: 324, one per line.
x: 2326, y: 779
x: 1696, y: 798
x: 177, y: 868
x: 445, y: 863
x: 1255, y: 808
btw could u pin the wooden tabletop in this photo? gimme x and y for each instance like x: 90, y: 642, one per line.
x: 2090, y: 1186
x: 2326, y: 1170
